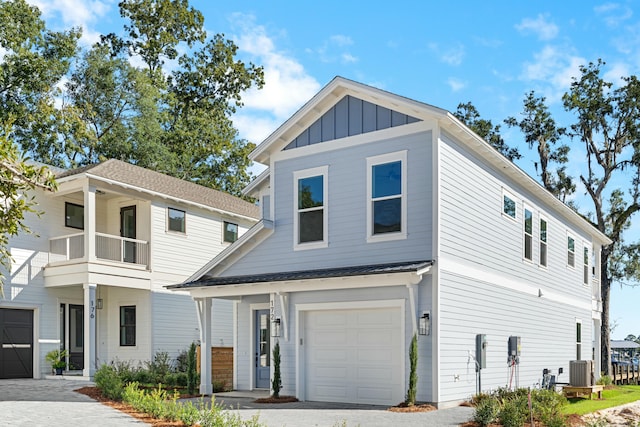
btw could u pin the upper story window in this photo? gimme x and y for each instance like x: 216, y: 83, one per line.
x: 74, y: 215
x: 230, y: 232
x: 528, y: 235
x: 176, y: 219
x: 543, y: 242
x: 387, y: 193
x: 310, y: 216
x: 508, y: 205
x: 585, y: 266
x: 571, y: 251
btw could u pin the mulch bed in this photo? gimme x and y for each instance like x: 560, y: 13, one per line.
x: 279, y: 399
x: 418, y: 407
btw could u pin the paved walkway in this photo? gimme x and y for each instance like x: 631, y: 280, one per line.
x: 28, y: 402
x: 52, y: 402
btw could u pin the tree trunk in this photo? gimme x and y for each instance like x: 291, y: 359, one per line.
x: 605, y: 292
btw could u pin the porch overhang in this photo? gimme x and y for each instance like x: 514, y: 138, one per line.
x: 364, y: 276
x: 74, y: 273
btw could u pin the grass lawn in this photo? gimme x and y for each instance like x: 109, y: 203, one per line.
x: 613, y: 397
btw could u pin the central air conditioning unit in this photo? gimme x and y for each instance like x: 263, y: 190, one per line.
x: 581, y: 373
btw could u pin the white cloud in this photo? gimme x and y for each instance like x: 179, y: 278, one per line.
x: 615, y: 73
x: 456, y: 84
x: 554, y: 68
x: 540, y: 26
x: 333, y: 50
x: 348, y: 58
x: 613, y: 14
x: 287, y: 84
x: 76, y: 13
x: 341, y: 40
x: 452, y: 55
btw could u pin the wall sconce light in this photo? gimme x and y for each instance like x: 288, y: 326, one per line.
x: 424, y: 324
x: 275, y: 327
x: 99, y: 303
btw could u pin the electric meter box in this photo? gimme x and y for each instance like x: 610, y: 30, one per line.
x: 514, y: 346
x: 481, y: 351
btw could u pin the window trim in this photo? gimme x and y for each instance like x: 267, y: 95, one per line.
x: 66, y: 223
x: 224, y: 231
x: 570, y: 236
x: 525, y: 234
x: 297, y: 176
x: 125, y: 325
x: 541, y: 218
x: 586, y: 257
x: 400, y: 156
x: 578, y: 337
x: 514, y: 199
x: 184, y: 220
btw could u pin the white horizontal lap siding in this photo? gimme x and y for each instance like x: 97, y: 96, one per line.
x: 346, y: 203
x: 142, y: 351
x: 184, y: 253
x: 174, y: 323
x: 475, y: 232
x: 470, y: 307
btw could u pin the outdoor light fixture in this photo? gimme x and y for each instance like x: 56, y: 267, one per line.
x: 99, y: 303
x: 424, y: 324
x: 275, y: 327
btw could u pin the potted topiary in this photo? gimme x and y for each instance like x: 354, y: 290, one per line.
x: 56, y: 359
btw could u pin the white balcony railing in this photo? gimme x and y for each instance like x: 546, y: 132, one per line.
x: 108, y: 247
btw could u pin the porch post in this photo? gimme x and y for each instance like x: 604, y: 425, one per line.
x: 89, y: 223
x: 203, y: 306
x: 89, y: 329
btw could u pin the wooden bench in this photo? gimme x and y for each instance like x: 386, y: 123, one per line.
x: 573, y: 391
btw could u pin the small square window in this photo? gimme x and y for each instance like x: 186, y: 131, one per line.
x: 176, y: 219
x: 230, y: 232
x: 74, y: 215
x: 509, y: 206
x: 128, y: 325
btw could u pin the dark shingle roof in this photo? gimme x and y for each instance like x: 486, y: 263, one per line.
x: 359, y: 270
x: 157, y: 182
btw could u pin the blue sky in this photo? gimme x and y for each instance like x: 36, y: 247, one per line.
x: 442, y: 53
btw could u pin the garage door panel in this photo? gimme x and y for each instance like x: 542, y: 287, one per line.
x: 359, y: 359
x: 16, y: 343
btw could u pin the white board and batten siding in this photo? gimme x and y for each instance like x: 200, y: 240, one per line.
x: 487, y: 287
x: 346, y: 206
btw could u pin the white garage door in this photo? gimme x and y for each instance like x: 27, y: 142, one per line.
x: 354, y: 356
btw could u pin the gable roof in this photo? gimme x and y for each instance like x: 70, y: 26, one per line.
x: 122, y: 173
x: 339, y: 87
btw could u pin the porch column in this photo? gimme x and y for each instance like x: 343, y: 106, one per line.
x: 89, y: 223
x: 203, y: 306
x: 89, y: 330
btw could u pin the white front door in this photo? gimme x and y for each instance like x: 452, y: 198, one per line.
x: 354, y: 356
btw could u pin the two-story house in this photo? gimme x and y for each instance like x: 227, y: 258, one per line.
x: 91, y: 279
x: 385, y: 218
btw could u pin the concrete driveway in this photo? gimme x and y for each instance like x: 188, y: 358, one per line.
x: 28, y: 402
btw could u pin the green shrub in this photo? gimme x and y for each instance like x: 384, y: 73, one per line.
x: 276, y: 382
x: 189, y: 414
x: 143, y: 376
x: 192, y: 373
x: 413, y: 376
x: 181, y: 361
x: 512, y: 413
x: 160, y: 366
x: 109, y: 382
x: 219, y: 386
x: 605, y: 380
x: 125, y: 370
x: 181, y: 379
x: 486, y: 411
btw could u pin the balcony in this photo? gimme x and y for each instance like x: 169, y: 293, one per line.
x: 107, y: 248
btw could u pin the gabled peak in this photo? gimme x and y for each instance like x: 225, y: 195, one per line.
x: 348, y: 117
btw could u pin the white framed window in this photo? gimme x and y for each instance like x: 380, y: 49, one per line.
x: 508, y: 204
x: 528, y: 234
x: 544, y: 235
x: 229, y: 232
x: 176, y: 220
x: 387, y: 197
x: 585, y: 264
x: 571, y: 251
x: 310, y: 219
